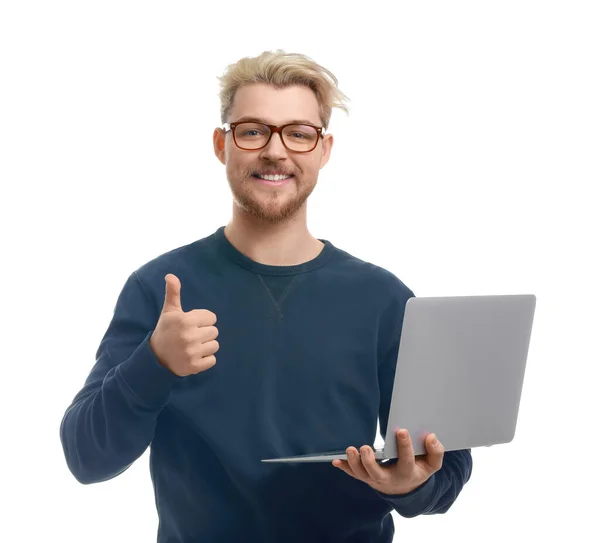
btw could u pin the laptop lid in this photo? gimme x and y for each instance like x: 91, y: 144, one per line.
x: 460, y: 370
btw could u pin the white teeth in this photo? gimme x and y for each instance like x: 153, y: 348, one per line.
x: 274, y: 177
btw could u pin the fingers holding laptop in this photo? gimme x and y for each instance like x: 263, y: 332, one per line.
x: 401, y: 477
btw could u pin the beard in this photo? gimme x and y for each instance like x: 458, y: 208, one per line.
x: 272, y: 207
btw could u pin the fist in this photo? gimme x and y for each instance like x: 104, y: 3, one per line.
x: 184, y: 343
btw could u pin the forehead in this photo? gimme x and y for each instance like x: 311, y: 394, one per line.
x: 275, y: 106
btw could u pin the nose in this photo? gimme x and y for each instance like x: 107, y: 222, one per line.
x: 274, y: 150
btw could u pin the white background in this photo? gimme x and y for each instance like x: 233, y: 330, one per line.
x: 469, y: 164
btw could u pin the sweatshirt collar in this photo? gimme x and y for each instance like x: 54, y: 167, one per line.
x: 226, y: 248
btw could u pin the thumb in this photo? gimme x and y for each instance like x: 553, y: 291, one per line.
x: 172, y: 294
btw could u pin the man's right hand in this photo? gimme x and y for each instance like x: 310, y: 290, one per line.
x: 184, y: 342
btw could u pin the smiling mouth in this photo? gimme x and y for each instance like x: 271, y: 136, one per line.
x: 273, y: 178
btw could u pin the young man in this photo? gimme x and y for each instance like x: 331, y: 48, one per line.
x: 304, y: 363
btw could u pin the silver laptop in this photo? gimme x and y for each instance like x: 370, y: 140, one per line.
x: 460, y: 371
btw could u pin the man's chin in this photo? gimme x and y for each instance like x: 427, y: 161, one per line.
x: 272, y: 214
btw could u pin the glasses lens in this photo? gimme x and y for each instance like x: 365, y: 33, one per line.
x: 297, y: 137
x: 300, y: 137
x: 251, y: 135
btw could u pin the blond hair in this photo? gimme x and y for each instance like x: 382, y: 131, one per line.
x: 282, y: 70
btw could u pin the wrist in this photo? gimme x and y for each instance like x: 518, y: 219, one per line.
x: 406, y: 489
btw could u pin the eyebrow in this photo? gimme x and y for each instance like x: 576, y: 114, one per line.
x: 264, y: 121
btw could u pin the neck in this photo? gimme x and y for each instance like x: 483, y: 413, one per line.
x: 288, y: 243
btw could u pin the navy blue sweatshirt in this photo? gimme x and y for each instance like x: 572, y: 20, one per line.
x: 306, y: 364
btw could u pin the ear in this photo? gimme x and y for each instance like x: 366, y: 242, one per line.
x: 326, y: 149
x: 219, y: 144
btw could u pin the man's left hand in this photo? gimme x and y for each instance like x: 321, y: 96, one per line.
x: 401, y: 477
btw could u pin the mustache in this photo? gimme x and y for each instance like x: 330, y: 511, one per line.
x: 265, y: 169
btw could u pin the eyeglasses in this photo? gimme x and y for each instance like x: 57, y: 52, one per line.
x: 251, y: 136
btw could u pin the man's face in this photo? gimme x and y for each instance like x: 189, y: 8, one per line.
x: 277, y: 202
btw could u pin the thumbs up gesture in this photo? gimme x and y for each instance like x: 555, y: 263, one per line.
x: 185, y: 343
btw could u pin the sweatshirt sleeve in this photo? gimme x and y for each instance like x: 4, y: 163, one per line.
x: 441, y: 490
x: 111, y: 420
